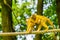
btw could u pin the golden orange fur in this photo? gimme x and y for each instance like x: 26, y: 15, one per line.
x: 38, y: 19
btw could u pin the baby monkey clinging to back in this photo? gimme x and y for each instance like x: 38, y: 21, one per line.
x: 40, y: 20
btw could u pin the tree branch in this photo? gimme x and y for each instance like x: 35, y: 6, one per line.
x: 25, y: 33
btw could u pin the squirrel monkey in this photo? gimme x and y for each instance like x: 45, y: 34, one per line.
x: 38, y: 19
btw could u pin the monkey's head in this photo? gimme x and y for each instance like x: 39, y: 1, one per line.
x: 34, y: 16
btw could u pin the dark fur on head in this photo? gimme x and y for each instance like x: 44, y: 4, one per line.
x: 33, y: 16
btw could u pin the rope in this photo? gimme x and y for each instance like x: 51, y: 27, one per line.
x: 25, y: 33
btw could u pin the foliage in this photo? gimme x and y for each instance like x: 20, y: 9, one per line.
x: 48, y: 36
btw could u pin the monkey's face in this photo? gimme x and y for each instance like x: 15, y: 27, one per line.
x: 33, y: 17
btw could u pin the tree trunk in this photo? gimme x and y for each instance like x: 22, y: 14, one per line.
x: 39, y: 12
x: 40, y: 7
x: 58, y: 13
x: 7, y: 24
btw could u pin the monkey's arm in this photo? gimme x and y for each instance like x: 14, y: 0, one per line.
x: 30, y: 25
x: 29, y: 28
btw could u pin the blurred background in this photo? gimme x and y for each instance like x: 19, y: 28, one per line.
x: 23, y: 9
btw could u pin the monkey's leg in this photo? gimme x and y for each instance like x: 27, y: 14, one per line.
x: 39, y: 27
x: 45, y: 26
x: 51, y: 23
